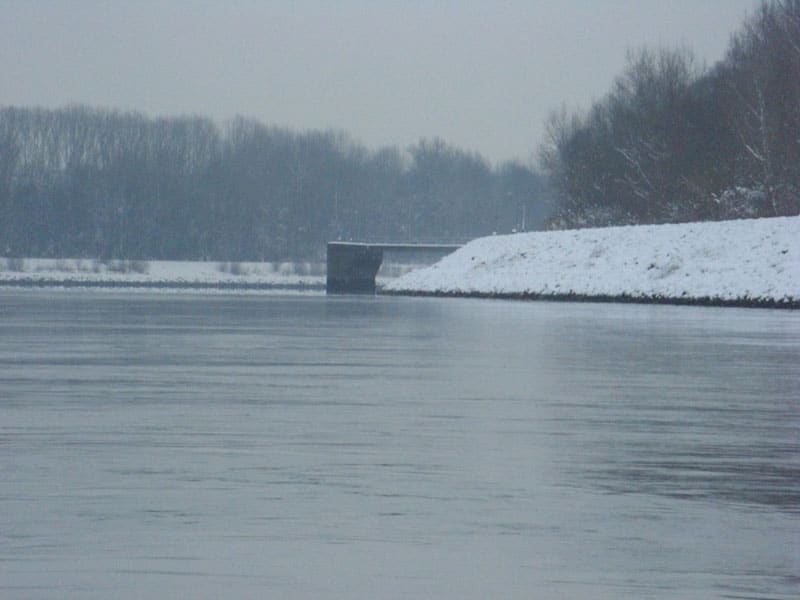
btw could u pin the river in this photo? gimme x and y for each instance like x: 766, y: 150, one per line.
x: 260, y: 446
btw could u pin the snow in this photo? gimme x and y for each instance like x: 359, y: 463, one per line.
x: 304, y: 276
x: 157, y: 272
x: 745, y: 260
x: 754, y: 260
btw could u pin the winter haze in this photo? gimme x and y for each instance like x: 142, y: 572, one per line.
x: 481, y: 75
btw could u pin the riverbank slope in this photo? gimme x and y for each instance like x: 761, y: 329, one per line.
x: 754, y: 262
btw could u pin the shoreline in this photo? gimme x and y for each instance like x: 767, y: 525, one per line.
x: 31, y: 282
x: 624, y: 298
x: 787, y: 304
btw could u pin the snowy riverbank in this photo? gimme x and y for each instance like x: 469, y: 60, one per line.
x: 161, y: 274
x: 187, y: 275
x: 746, y: 262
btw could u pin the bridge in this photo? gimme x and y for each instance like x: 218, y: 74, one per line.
x: 352, y: 266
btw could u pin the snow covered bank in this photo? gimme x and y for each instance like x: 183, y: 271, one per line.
x: 747, y: 262
x: 160, y: 274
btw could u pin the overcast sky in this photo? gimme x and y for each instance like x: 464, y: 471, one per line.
x: 481, y: 75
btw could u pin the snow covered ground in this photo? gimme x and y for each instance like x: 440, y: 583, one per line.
x: 160, y: 273
x: 307, y: 276
x: 747, y: 261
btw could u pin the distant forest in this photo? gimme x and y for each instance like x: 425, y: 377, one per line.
x: 85, y: 182
x: 673, y: 141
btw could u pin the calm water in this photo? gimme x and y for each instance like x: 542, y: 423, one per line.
x: 208, y: 446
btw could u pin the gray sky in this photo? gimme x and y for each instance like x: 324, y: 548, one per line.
x: 481, y: 75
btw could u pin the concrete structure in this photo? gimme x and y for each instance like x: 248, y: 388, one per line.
x: 352, y: 266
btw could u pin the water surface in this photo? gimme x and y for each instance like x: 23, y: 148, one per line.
x: 207, y: 446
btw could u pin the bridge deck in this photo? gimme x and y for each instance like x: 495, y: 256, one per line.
x: 398, y: 245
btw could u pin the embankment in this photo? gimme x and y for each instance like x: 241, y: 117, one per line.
x: 752, y: 262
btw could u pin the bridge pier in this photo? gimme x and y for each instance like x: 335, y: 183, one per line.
x: 352, y: 266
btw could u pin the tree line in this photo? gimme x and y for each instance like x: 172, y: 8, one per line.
x: 673, y: 141
x: 89, y: 182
